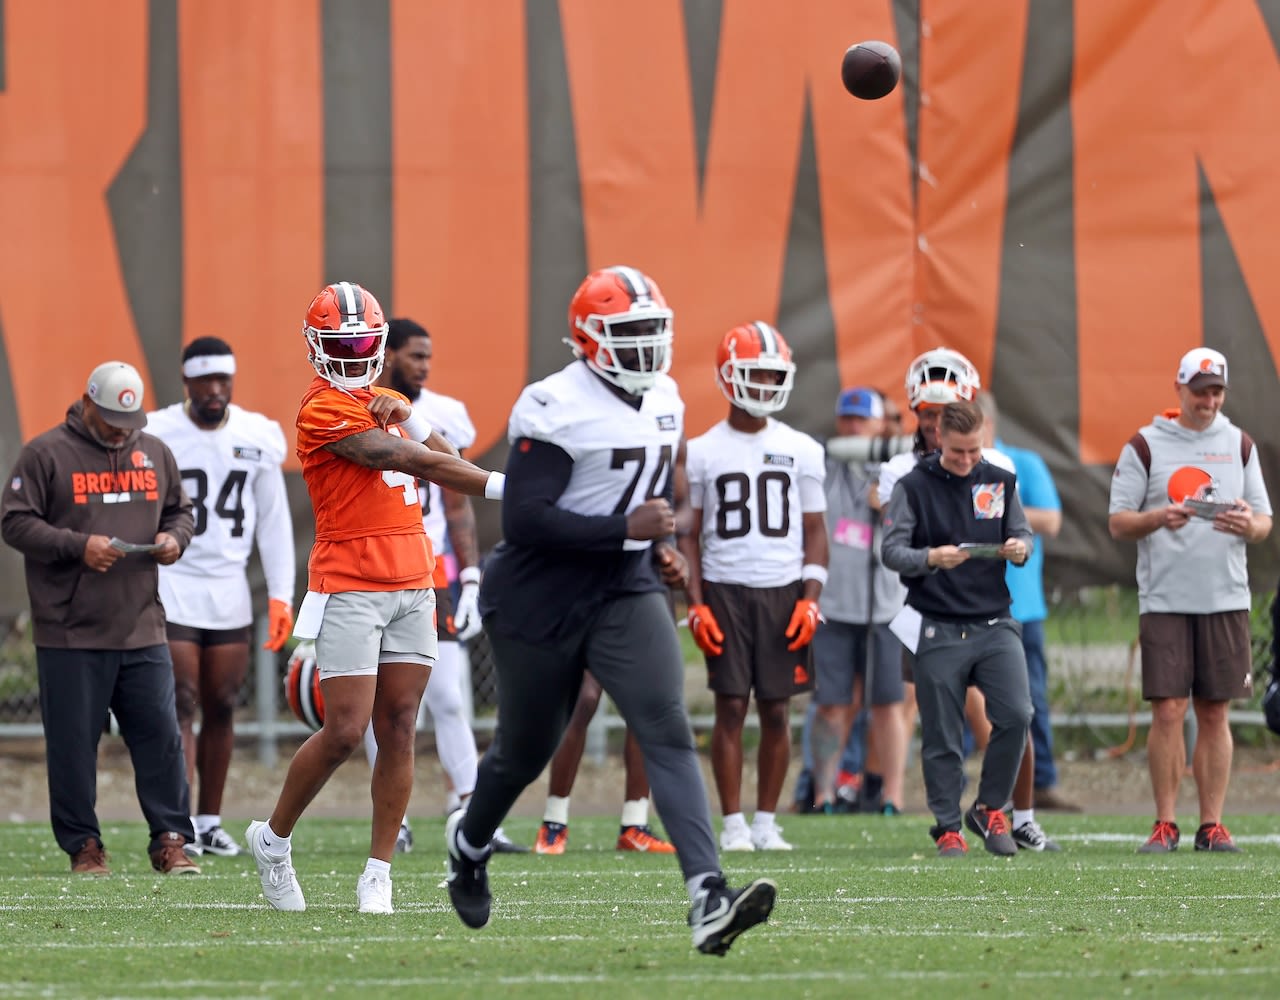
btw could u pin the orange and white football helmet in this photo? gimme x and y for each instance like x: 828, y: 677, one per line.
x: 754, y: 369
x: 620, y: 325
x: 302, y: 686
x: 347, y: 335
x: 939, y: 377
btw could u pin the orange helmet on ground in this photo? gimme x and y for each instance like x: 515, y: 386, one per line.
x: 302, y: 686
x: 620, y: 325
x: 754, y: 369
x: 347, y: 335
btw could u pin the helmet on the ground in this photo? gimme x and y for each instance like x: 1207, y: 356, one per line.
x: 302, y: 686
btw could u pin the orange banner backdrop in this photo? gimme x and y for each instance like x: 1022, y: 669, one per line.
x: 721, y: 155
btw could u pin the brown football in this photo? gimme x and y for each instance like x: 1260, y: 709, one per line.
x: 870, y: 70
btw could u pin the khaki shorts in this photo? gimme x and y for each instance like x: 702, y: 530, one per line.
x: 1206, y: 656
x: 755, y: 658
x: 364, y: 628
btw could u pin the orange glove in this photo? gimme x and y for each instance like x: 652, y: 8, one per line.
x: 706, y: 633
x: 279, y: 624
x: 804, y: 622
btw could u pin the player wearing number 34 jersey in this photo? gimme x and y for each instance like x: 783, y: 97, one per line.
x: 230, y: 463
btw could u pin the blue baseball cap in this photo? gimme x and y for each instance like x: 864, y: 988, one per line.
x: 860, y: 402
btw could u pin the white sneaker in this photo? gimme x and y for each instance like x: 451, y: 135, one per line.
x: 768, y: 838
x: 279, y: 881
x: 736, y: 838
x: 404, y: 839
x: 373, y: 893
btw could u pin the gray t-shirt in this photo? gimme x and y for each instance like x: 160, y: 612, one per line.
x: 1194, y: 570
x: 856, y: 573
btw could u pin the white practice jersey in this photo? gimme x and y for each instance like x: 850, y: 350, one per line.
x: 752, y: 490
x: 622, y: 456
x: 449, y: 417
x: 233, y: 477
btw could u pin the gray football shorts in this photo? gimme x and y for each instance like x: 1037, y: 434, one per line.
x: 364, y: 628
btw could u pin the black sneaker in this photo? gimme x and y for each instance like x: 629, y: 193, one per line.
x: 217, y: 841
x: 719, y: 914
x: 992, y: 825
x: 404, y: 839
x: 468, y: 880
x: 1214, y: 837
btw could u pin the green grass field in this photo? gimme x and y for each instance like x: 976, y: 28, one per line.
x: 864, y: 907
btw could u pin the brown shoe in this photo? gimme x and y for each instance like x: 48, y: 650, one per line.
x: 91, y: 859
x: 1049, y: 800
x: 171, y: 859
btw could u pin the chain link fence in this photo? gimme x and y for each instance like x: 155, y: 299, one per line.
x: 1091, y: 641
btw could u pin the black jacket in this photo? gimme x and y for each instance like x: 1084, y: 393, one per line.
x: 931, y: 507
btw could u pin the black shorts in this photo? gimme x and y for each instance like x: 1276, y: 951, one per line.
x: 1208, y: 656
x: 445, y: 630
x: 754, y: 622
x: 206, y: 637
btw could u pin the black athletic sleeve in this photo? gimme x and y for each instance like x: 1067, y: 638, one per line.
x: 538, y: 473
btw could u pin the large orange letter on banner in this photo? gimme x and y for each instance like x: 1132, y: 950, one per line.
x: 74, y: 105
x: 968, y: 114
x: 718, y: 254
x: 253, y: 188
x: 1160, y: 92
x: 461, y: 195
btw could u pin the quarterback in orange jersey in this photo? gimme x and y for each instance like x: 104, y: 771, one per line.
x: 369, y: 605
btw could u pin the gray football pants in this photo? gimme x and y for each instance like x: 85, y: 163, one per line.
x: 949, y: 658
x: 632, y: 650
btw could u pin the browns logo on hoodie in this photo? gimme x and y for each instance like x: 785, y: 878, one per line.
x: 66, y: 486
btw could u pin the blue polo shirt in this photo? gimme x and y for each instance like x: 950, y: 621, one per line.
x: 1035, y: 489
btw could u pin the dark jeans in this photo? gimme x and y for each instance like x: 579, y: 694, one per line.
x: 77, y: 686
x: 1038, y: 679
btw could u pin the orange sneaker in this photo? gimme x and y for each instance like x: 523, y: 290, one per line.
x: 553, y: 838
x: 641, y: 838
x: 951, y: 844
x: 1164, y: 838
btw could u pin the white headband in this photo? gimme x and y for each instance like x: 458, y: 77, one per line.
x: 209, y: 364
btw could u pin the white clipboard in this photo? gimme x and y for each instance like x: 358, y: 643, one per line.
x: 906, y: 626
x: 310, y: 615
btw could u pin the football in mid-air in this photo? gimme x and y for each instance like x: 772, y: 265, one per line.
x: 870, y: 70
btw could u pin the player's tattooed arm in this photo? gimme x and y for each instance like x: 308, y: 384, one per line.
x: 376, y: 449
x: 460, y: 518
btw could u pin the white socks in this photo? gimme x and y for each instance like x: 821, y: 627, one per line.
x: 557, y: 810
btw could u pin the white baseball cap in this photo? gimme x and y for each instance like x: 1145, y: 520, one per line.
x: 1201, y: 368
x: 116, y: 389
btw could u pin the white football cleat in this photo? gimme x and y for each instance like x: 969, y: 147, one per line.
x: 279, y: 881
x: 373, y: 893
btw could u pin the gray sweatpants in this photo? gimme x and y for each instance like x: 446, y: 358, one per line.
x: 949, y: 658
x: 632, y: 650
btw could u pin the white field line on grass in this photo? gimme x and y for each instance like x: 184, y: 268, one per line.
x: 677, y: 934
x: 714, y: 976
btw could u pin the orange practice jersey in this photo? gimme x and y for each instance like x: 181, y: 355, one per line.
x: 368, y: 523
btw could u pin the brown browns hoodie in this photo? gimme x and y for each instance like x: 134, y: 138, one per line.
x: 67, y: 486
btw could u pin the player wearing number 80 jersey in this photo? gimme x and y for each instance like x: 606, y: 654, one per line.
x: 230, y: 462
x: 757, y: 563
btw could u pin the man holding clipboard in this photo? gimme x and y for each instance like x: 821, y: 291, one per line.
x: 950, y: 525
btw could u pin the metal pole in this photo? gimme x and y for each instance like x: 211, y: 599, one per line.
x: 265, y: 694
